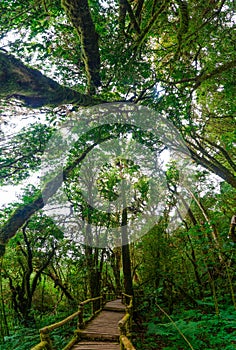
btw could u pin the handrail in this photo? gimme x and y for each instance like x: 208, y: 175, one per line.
x: 90, y: 300
x: 41, y: 346
x: 124, y: 321
x: 125, y: 324
x: 126, y: 343
x: 60, y: 323
x: 46, y: 342
x: 125, y: 297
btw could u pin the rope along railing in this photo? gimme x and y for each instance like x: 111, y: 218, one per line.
x: 125, y: 324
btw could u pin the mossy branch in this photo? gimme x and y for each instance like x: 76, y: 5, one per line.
x: 183, y: 19
x: 151, y: 23
x: 79, y: 14
x: 33, y: 88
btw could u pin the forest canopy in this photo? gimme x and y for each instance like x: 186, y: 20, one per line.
x: 174, y: 57
x: 68, y: 59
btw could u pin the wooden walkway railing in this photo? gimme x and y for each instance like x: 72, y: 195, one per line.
x: 125, y: 324
x: 97, y: 305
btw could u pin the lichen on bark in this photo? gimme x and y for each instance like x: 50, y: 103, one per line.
x: 33, y: 88
x: 79, y: 14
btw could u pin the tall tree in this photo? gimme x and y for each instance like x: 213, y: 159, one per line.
x: 176, y: 57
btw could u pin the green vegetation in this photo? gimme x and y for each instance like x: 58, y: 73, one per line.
x: 190, y: 329
x: 66, y: 64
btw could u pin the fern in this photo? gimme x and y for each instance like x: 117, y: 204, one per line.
x: 21, y: 339
x: 201, y: 330
x: 25, y: 338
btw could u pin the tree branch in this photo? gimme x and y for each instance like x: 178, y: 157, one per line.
x: 203, y: 76
x: 79, y: 14
x: 132, y: 17
x: 151, y: 23
x: 200, y: 156
x: 221, y: 149
x: 43, y: 267
x: 58, y: 282
x: 25, y: 211
x: 122, y: 15
x: 33, y: 88
x: 138, y: 10
x: 218, y: 70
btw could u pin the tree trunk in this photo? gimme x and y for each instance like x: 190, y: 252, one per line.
x: 80, y: 16
x: 232, y: 230
x: 116, y: 264
x: 126, y: 255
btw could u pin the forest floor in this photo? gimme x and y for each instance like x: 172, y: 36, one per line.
x: 194, y: 329
x: 199, y: 328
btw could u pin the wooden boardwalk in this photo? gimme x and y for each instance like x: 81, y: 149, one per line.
x: 102, y: 332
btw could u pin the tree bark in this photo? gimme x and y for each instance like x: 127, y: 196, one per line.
x: 115, y: 259
x: 33, y: 88
x: 79, y: 14
x: 126, y: 255
x: 232, y: 230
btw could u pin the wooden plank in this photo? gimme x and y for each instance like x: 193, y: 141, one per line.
x: 105, y: 322
x: 102, y: 333
x: 99, y: 336
x: 115, y: 305
x: 89, y: 345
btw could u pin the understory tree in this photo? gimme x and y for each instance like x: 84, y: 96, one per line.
x: 33, y: 249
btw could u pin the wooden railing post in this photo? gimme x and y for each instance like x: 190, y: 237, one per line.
x: 44, y: 336
x: 125, y: 324
x: 81, y: 317
x: 129, y: 310
x: 93, y: 307
x: 121, y: 344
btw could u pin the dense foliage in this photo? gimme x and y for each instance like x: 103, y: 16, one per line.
x: 176, y: 58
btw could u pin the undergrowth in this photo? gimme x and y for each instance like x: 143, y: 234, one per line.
x: 22, y: 338
x: 196, y: 329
